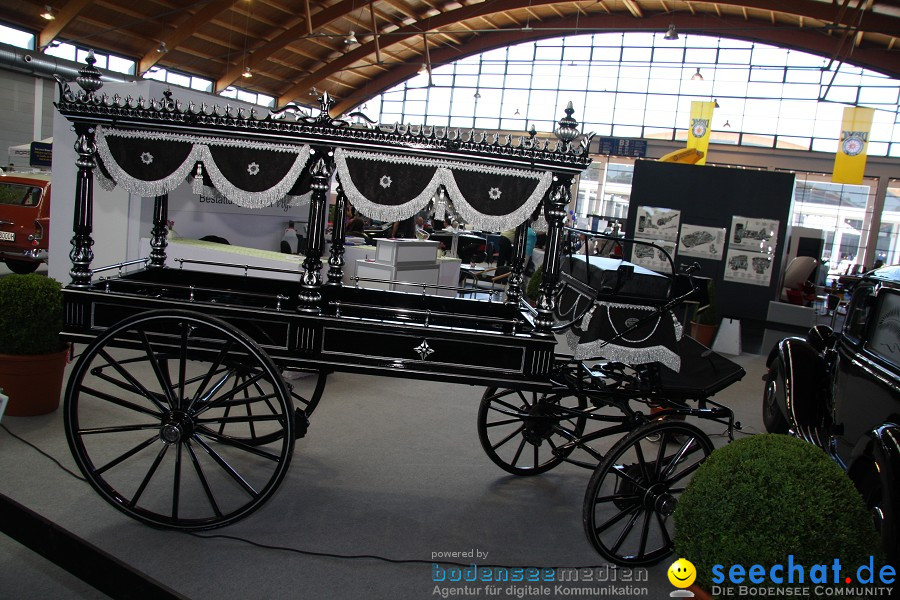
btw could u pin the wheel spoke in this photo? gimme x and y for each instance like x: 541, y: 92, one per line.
x: 226, y: 467
x: 537, y: 458
x: 148, y: 476
x: 667, y: 540
x: 518, y: 452
x: 157, y: 370
x: 182, y: 364
x: 118, y: 428
x: 509, y: 437
x: 249, y: 419
x: 625, y: 531
x: 176, y: 481
x: 615, y: 519
x: 132, y: 380
x: 228, y: 397
x: 660, y: 455
x: 515, y: 411
x: 617, y: 497
x: 506, y: 422
x: 228, y: 441
x: 126, y: 456
x: 211, y: 372
x: 642, y: 462
x: 681, y: 475
x: 120, y: 402
x: 645, y: 529
x: 619, y: 470
x: 679, y: 456
x: 203, y: 482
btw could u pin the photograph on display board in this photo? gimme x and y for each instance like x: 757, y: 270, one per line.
x: 755, y: 235
x: 754, y: 268
x: 657, y: 223
x: 702, y: 242
x: 653, y: 258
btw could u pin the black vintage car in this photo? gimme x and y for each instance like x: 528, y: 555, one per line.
x: 841, y: 391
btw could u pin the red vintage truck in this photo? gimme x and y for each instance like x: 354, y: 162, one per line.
x: 24, y: 220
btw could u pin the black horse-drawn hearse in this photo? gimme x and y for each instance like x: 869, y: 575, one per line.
x: 177, y: 411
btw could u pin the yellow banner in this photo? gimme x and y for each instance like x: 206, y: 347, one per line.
x: 701, y: 124
x: 850, y: 159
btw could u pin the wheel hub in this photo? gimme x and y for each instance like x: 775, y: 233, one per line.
x: 176, y: 427
x: 658, y: 499
x: 538, y: 426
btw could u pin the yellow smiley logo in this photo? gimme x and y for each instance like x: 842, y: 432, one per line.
x: 682, y: 573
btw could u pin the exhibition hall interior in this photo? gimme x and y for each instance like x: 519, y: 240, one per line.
x: 420, y: 298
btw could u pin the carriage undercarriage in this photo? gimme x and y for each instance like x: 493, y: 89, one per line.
x: 184, y: 406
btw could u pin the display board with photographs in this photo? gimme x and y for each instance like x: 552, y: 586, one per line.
x: 754, y: 268
x: 702, y: 242
x: 653, y: 258
x: 753, y: 235
x: 657, y: 223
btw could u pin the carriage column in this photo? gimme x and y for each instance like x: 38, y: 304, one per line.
x: 554, y: 211
x: 82, y: 252
x: 158, y: 242
x: 514, y: 289
x: 311, y: 288
x: 336, y: 260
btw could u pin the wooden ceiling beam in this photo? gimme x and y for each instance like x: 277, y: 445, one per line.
x: 267, y: 49
x: 633, y: 8
x: 184, y: 30
x: 64, y: 17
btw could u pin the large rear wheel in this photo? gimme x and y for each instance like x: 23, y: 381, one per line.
x: 179, y: 420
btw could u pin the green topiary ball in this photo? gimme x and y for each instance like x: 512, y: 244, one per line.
x: 31, y: 314
x: 762, y: 498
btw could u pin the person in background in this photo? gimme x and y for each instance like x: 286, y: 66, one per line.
x: 290, y: 237
x: 404, y: 229
x: 421, y: 231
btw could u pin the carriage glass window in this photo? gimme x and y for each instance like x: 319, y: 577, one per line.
x: 858, y: 315
x: 885, y: 342
x: 19, y: 195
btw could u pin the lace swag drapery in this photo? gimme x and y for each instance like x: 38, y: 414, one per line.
x: 381, y: 185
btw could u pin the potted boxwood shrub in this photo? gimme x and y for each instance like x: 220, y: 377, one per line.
x: 706, y: 318
x: 32, y: 356
x: 762, y: 498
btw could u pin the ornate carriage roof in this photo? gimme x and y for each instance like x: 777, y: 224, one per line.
x: 255, y: 158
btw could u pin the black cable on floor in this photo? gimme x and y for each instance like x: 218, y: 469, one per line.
x: 416, y: 561
x: 298, y: 550
x: 39, y: 451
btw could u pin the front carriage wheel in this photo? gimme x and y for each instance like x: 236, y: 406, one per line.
x: 179, y: 420
x: 633, y: 492
x: 522, y: 432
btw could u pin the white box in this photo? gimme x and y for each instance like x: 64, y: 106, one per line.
x: 402, y: 251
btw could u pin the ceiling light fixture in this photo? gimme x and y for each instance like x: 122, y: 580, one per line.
x: 727, y: 124
x: 48, y: 13
x: 247, y: 73
x: 517, y: 113
x: 716, y: 103
x: 477, y: 94
x: 697, y: 76
x: 162, y: 49
x: 671, y: 33
x: 351, y: 39
x: 423, y: 70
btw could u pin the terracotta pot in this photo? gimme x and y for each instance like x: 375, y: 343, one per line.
x: 700, y: 593
x: 33, y: 383
x: 705, y: 334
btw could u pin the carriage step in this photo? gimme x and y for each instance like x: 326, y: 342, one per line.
x: 301, y: 424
